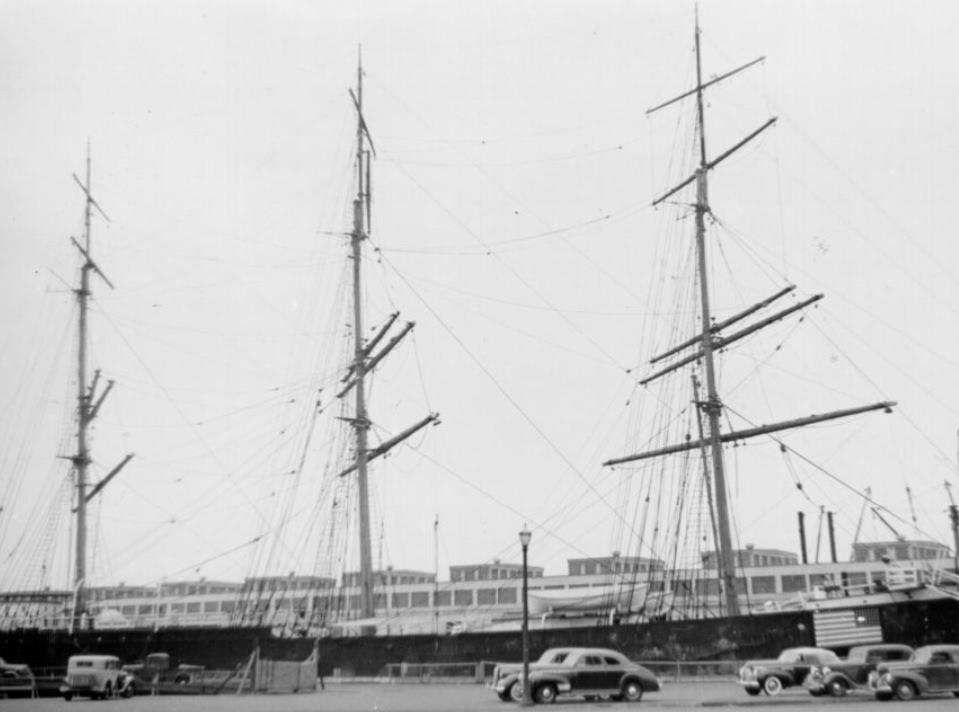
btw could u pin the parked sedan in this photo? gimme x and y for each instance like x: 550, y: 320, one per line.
x: 934, y: 668
x: 790, y: 668
x: 15, y: 678
x: 585, y: 672
x: 853, y: 672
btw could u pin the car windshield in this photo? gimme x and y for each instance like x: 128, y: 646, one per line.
x: 553, y: 656
x: 922, y: 655
x: 789, y: 656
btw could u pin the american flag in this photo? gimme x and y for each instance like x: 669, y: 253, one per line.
x: 854, y: 626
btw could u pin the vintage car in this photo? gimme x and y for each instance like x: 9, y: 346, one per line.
x: 789, y: 669
x: 584, y: 672
x: 15, y: 678
x: 96, y: 677
x: 933, y: 668
x: 853, y: 672
x: 156, y: 669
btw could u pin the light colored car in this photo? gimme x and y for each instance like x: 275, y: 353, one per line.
x: 95, y: 676
x: 585, y: 672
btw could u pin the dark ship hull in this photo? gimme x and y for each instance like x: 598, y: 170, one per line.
x: 739, y: 638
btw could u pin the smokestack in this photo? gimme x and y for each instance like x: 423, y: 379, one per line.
x: 832, y: 537
x: 802, y: 537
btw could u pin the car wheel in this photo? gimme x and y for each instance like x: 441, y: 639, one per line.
x: 883, y: 696
x: 516, y: 691
x: 129, y: 690
x: 955, y: 693
x: 752, y: 691
x: 905, y: 690
x: 837, y: 688
x: 632, y: 691
x: 68, y: 696
x: 546, y: 693
x: 107, y: 691
x: 773, y: 686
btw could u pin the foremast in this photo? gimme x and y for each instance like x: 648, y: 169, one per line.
x: 363, y: 358
x: 88, y: 402
x: 710, y: 340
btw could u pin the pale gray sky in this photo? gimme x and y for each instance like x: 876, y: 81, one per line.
x: 512, y: 191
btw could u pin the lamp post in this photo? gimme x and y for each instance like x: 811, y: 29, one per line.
x: 524, y: 537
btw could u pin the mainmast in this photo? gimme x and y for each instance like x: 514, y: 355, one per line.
x: 710, y: 340
x: 82, y: 459
x: 363, y: 358
x: 361, y: 422
x: 88, y: 402
x: 712, y: 406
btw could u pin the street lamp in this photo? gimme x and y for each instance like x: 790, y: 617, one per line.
x: 524, y: 537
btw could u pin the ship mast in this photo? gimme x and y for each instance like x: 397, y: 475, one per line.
x: 363, y: 358
x: 710, y: 340
x: 88, y: 402
x: 361, y: 422
x: 712, y: 406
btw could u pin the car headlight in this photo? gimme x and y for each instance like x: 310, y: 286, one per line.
x: 826, y: 670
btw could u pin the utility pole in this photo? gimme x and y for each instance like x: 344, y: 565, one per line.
x: 436, y: 574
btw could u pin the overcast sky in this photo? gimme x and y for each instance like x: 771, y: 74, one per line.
x: 512, y: 185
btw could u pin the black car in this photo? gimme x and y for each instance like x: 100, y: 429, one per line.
x: 585, y: 672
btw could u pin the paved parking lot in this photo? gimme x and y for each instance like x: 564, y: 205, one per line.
x: 342, y: 697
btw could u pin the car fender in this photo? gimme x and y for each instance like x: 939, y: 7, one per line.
x: 837, y: 675
x: 920, y: 681
x: 561, y: 681
x: 506, y: 680
x: 638, y: 679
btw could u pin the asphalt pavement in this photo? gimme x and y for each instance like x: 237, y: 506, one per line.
x: 413, y: 697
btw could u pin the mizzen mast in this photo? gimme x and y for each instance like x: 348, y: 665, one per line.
x: 363, y: 358
x: 88, y: 401
x: 709, y: 341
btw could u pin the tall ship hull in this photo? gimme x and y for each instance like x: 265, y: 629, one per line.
x: 685, y: 641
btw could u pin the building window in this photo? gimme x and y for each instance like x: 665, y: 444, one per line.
x: 794, y: 583
x: 486, y: 597
x: 420, y: 599
x: 463, y: 598
x: 443, y: 598
x: 507, y: 595
x: 763, y: 584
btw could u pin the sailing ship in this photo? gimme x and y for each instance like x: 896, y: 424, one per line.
x: 644, y: 611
